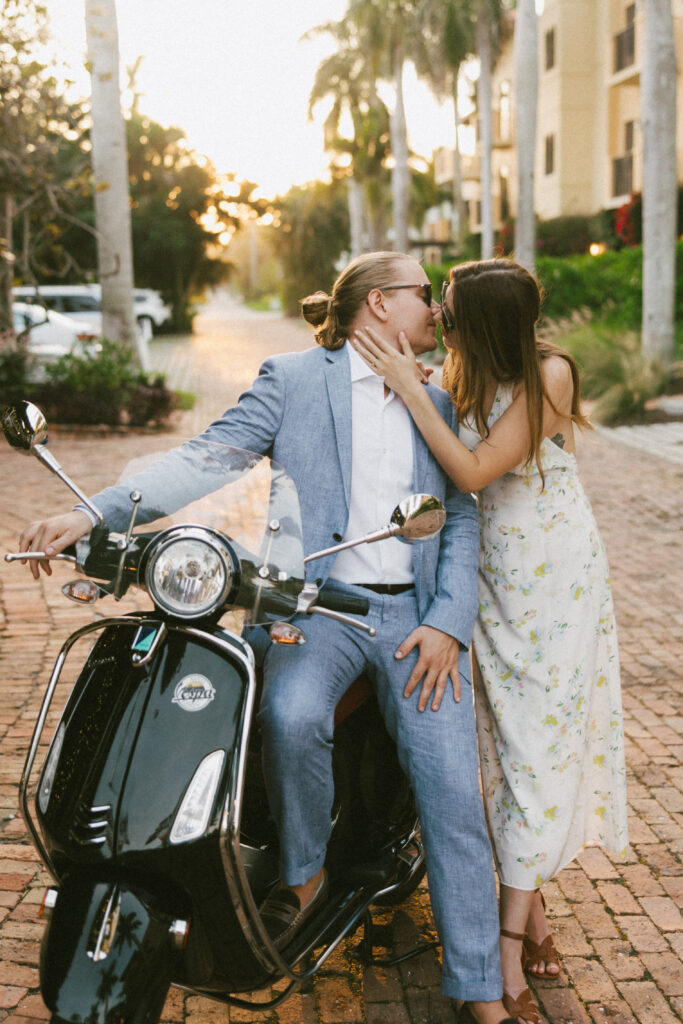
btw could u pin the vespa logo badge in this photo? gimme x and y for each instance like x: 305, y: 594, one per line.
x: 193, y: 693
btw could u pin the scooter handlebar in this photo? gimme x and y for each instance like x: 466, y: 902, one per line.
x: 337, y: 602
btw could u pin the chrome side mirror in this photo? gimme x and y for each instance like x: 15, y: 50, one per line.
x: 418, y: 517
x: 24, y: 426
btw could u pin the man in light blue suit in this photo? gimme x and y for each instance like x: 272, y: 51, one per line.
x: 353, y: 452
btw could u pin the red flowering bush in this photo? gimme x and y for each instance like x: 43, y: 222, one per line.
x: 628, y: 221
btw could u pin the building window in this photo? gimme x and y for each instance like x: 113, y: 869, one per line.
x: 550, y: 49
x: 504, y: 195
x: 505, y: 112
x: 549, y: 154
x: 622, y: 175
x: 629, y: 130
x: 625, y: 42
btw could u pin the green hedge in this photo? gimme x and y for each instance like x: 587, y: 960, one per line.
x: 609, y: 286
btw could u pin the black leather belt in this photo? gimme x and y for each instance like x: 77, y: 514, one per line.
x: 387, y: 588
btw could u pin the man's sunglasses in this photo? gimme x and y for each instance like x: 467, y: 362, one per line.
x: 425, y: 290
x: 447, y: 319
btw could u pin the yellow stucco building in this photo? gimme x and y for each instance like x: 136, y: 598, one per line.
x: 588, y: 139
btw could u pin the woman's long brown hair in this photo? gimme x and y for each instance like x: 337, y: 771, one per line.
x: 496, y: 306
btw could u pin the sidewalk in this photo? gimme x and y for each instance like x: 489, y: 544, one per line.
x: 618, y: 926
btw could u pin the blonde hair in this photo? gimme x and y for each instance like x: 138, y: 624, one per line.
x: 496, y: 304
x: 334, y: 314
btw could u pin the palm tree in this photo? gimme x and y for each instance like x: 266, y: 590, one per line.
x: 658, y: 120
x: 448, y: 30
x: 110, y: 171
x: 348, y: 79
x: 388, y: 31
x: 485, y: 49
x: 526, y: 92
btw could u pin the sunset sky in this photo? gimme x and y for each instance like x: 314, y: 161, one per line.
x: 236, y: 78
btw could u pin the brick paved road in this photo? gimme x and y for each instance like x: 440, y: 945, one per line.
x: 618, y: 926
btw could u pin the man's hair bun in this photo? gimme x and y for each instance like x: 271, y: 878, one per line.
x: 315, y: 308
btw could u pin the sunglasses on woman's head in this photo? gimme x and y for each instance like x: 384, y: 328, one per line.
x: 447, y: 319
x: 425, y: 290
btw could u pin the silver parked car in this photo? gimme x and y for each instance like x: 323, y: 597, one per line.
x: 84, y: 302
x: 51, y: 335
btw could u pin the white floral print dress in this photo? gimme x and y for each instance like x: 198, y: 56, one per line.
x: 548, y: 699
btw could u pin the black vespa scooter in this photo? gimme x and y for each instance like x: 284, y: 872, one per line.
x: 150, y: 809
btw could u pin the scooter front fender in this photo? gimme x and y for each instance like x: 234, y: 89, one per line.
x: 106, y: 955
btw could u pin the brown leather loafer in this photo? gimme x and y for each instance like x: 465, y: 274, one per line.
x: 282, y: 915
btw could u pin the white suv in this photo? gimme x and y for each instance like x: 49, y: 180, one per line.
x: 150, y: 307
x: 83, y: 302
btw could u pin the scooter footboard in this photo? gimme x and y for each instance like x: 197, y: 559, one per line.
x: 106, y: 955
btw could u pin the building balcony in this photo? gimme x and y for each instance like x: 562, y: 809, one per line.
x: 622, y: 175
x: 624, y: 49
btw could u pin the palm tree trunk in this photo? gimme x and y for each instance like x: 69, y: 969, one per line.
x: 110, y: 171
x: 356, y: 217
x: 458, y: 214
x: 6, y: 262
x: 658, y: 120
x: 526, y: 79
x: 484, y: 52
x: 400, y: 174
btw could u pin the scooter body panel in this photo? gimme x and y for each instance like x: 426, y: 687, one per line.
x: 133, y: 738
x: 106, y: 954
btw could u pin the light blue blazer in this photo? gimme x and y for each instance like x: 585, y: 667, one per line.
x: 298, y: 411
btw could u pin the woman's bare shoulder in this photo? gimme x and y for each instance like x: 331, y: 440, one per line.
x: 557, y: 378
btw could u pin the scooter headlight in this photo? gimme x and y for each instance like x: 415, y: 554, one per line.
x: 190, y: 572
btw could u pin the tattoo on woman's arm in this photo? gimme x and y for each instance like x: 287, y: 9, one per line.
x: 558, y: 439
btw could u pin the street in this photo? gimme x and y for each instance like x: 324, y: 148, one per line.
x: 617, y: 925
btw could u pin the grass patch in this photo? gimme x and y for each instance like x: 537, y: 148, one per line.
x: 614, y: 373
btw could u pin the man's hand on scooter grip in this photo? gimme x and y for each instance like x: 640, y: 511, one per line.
x: 52, y: 536
x: 437, y: 663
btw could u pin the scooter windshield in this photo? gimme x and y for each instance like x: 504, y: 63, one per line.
x: 248, y: 498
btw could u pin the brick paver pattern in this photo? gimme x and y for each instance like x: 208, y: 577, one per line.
x: 617, y: 925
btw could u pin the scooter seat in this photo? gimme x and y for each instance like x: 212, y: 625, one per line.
x: 358, y: 692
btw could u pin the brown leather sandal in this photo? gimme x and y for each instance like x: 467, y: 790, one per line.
x: 535, y: 953
x: 523, y: 1006
x: 465, y: 1016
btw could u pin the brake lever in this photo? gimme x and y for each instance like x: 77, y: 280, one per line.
x: 18, y: 556
x: 306, y: 606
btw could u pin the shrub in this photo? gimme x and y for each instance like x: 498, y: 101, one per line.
x: 12, y: 375
x: 563, y: 236
x: 606, y: 287
x: 628, y: 221
x: 613, y: 372
x: 103, y: 386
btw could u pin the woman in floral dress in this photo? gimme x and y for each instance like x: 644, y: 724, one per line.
x: 546, y: 664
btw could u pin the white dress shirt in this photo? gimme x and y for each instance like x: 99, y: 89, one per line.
x: 381, y: 476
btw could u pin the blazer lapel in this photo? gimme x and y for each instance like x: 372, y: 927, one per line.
x: 421, y: 459
x: 338, y: 380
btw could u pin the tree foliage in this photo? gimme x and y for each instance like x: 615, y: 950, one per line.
x: 348, y: 78
x: 310, y: 234
x: 42, y: 161
x: 179, y: 211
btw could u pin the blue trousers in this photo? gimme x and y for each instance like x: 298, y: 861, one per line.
x: 437, y: 750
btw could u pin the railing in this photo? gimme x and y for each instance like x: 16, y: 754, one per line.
x: 622, y: 175
x: 625, y: 48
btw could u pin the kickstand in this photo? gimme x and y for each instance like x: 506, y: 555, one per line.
x: 382, y: 935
